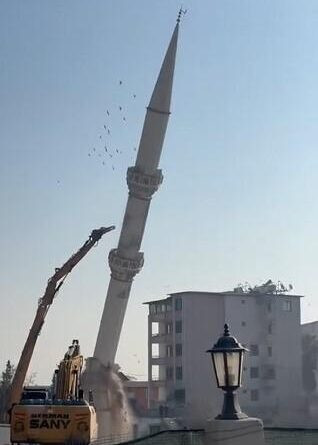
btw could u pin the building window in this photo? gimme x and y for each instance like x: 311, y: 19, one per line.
x: 269, y: 351
x: 254, y: 372
x: 287, y: 305
x: 178, y: 304
x: 269, y: 307
x: 254, y: 350
x: 155, y: 350
x: 178, y: 349
x: 154, y: 328
x: 254, y: 395
x: 243, y: 323
x: 155, y: 372
x: 169, y: 373
x: 169, y: 351
x: 179, y: 373
x: 178, y: 327
x: 152, y: 309
x: 168, y: 328
x: 269, y: 373
x: 179, y: 396
x: 270, y: 328
x: 243, y: 301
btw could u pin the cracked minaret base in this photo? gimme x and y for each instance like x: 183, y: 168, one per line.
x: 126, y: 261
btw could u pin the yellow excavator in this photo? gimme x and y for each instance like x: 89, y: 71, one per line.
x: 64, y: 419
x: 60, y: 415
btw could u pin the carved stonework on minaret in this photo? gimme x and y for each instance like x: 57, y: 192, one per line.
x: 124, y: 269
x: 142, y: 185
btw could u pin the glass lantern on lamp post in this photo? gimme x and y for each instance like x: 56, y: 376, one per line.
x: 227, y: 359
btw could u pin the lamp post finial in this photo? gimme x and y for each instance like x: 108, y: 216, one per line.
x: 226, y: 330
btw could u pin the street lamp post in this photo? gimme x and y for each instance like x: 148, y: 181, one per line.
x: 227, y: 358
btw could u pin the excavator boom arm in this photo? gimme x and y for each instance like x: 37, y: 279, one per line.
x: 54, y: 284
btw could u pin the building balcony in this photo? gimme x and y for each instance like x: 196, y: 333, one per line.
x: 161, y: 338
x: 161, y: 316
x: 159, y: 360
x: 157, y: 382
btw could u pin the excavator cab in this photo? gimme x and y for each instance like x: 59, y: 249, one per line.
x: 33, y: 393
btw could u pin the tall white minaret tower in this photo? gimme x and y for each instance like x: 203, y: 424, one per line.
x: 126, y: 261
x: 143, y: 181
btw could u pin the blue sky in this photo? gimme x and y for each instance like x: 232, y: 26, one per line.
x: 238, y: 202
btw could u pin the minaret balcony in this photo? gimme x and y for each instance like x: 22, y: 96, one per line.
x: 125, y: 269
x: 142, y: 185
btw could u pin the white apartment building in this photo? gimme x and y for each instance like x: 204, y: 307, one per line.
x: 184, y: 325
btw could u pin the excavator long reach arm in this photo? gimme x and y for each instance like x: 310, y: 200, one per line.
x: 53, y: 286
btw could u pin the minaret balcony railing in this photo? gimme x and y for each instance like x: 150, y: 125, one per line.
x: 143, y: 185
x: 125, y: 269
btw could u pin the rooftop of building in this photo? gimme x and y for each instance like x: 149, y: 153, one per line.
x: 238, y: 292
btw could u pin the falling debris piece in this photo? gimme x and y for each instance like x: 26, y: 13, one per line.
x: 107, y: 112
x: 124, y: 118
x: 135, y: 148
x: 100, y: 136
x: 117, y: 151
x: 94, y: 149
x: 103, y: 162
x: 105, y: 148
x: 113, y: 167
x: 105, y: 127
x: 108, y: 131
x: 120, y: 82
x: 89, y: 154
x: 120, y: 108
x: 134, y: 96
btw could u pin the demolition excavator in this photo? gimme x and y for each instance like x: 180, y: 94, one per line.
x: 59, y: 415
x: 16, y: 391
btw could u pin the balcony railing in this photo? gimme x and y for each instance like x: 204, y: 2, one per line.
x: 161, y: 338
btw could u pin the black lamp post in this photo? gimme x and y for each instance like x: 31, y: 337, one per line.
x: 227, y: 359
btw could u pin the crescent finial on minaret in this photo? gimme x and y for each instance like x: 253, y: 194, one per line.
x: 180, y: 13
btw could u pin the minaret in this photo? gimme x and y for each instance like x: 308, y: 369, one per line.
x: 143, y: 181
x: 126, y: 261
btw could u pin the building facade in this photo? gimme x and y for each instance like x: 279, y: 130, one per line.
x: 184, y: 325
x: 309, y: 333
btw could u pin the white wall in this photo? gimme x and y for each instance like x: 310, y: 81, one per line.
x: 203, y: 320
x: 4, y: 434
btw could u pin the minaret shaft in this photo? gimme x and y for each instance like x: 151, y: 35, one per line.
x: 143, y: 181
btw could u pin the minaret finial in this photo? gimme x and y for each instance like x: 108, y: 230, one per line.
x: 180, y: 13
